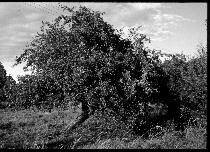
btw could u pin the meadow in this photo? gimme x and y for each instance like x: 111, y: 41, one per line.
x: 33, y: 129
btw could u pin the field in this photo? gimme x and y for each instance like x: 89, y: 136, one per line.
x: 42, y: 130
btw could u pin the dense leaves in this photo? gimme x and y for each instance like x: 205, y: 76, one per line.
x: 188, y: 80
x: 92, y: 63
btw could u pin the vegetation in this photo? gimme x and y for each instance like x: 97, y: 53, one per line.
x: 2, y: 83
x: 127, y: 97
x: 28, y: 129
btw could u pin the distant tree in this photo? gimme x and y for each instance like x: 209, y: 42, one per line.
x: 195, y: 76
x: 10, y: 91
x: 32, y: 91
x: 48, y: 94
x: 25, y: 95
x: 3, y: 74
x: 2, y: 83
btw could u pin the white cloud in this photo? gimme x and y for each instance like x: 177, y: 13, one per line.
x: 144, y: 6
x: 172, y: 19
x: 163, y: 25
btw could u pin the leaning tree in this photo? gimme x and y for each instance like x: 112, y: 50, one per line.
x: 94, y: 66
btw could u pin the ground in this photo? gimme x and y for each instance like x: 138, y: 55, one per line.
x: 40, y: 130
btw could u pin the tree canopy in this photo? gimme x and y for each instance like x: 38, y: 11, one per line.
x: 84, y: 55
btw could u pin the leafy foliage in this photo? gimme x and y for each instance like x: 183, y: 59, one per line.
x: 188, y: 81
x: 93, y: 64
x: 31, y: 91
x: 196, y: 80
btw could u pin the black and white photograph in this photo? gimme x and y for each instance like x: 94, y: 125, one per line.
x: 103, y: 75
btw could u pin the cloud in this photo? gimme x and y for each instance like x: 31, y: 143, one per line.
x: 144, y: 6
x: 14, y: 38
x: 164, y: 25
x: 157, y: 25
x: 18, y: 24
x: 169, y: 19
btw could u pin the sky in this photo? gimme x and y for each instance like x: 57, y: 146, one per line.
x: 172, y: 27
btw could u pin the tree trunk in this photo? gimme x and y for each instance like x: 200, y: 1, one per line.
x: 84, y: 116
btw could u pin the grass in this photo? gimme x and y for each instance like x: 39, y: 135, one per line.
x: 35, y: 129
x: 31, y: 129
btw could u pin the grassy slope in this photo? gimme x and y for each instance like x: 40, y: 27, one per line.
x: 28, y: 129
